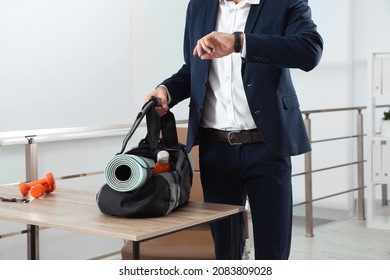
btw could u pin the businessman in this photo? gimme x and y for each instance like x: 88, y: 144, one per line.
x: 244, y: 112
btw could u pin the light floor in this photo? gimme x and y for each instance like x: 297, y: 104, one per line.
x: 343, y: 239
x: 348, y: 239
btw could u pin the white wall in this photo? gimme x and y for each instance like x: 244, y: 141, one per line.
x: 157, y: 29
x: 350, y: 29
x: 91, y: 62
x: 328, y: 86
x: 62, y: 62
x: 371, y: 33
x: 78, y: 63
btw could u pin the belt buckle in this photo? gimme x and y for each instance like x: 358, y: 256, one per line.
x: 230, y: 136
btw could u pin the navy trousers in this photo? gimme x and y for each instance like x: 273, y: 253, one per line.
x: 232, y: 173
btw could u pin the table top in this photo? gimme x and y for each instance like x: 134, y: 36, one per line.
x: 76, y: 210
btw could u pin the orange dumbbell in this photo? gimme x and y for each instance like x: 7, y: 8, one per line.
x: 39, y: 187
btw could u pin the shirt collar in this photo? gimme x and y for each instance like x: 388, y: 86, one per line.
x: 253, y: 2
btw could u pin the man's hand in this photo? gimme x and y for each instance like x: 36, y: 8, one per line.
x: 214, y: 45
x: 161, y: 93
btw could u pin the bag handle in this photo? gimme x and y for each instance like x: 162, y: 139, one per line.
x: 166, y: 125
x: 154, y: 101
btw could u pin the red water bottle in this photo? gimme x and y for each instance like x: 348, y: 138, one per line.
x: 162, y: 164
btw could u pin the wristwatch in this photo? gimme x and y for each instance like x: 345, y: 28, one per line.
x: 237, y: 42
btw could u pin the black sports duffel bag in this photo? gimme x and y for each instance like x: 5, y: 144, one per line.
x: 132, y: 189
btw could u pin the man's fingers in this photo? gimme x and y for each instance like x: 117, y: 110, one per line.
x: 161, y: 111
x: 214, y: 45
x: 204, y: 45
x: 161, y: 93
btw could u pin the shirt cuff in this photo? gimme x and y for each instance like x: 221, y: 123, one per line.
x: 243, y: 50
x: 169, y: 96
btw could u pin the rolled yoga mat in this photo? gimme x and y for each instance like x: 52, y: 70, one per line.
x: 128, y: 172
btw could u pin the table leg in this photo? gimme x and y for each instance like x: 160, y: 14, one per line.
x: 32, y: 242
x: 31, y: 155
x: 234, y: 235
x: 136, y: 253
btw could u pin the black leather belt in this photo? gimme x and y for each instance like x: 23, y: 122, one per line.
x: 234, y: 137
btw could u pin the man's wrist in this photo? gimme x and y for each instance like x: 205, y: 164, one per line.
x: 166, y: 91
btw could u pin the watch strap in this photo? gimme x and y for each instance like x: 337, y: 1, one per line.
x: 237, y: 42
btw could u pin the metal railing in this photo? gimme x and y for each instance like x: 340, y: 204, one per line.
x: 309, y: 170
x: 30, y: 139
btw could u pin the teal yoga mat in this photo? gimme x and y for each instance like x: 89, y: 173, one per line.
x: 128, y: 172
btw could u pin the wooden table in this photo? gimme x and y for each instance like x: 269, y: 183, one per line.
x: 76, y: 210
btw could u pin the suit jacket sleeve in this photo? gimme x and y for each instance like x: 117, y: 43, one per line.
x: 297, y: 44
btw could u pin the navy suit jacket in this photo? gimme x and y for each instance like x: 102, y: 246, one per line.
x: 280, y: 34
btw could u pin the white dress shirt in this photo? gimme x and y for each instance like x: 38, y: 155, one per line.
x: 226, y: 106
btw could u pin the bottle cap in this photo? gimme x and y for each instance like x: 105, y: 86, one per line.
x: 163, y: 157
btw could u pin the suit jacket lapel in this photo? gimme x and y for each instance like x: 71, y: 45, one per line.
x: 253, y: 16
x: 210, y: 23
x: 211, y: 15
